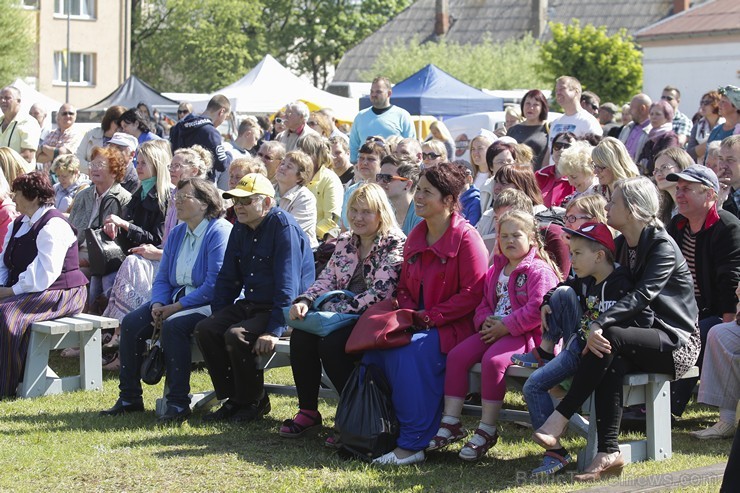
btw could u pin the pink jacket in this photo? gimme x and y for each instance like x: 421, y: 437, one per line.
x: 528, y: 284
x: 451, y: 272
x: 381, y: 268
x: 7, y: 215
x: 554, y: 190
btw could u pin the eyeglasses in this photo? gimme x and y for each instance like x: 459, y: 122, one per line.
x: 264, y: 156
x: 67, y: 113
x: 706, y: 102
x: 247, y: 200
x: 663, y: 170
x: 559, y: 146
x: 94, y: 165
x: 279, y: 120
x: 181, y: 197
x: 667, y: 98
x: 181, y: 112
x: 386, y: 178
x: 598, y: 167
x: 505, y: 162
x: 571, y: 218
x: 430, y: 155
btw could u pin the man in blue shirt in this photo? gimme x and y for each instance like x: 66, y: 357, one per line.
x: 269, y: 259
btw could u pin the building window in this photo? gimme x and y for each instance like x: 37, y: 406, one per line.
x: 30, y: 4
x: 82, y: 68
x: 84, y: 9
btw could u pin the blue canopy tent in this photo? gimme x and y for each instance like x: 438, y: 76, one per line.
x: 432, y: 91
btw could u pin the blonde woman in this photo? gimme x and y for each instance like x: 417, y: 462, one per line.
x: 325, y: 185
x: 67, y: 169
x: 612, y: 163
x: 442, y: 134
x: 576, y: 165
x: 433, y: 152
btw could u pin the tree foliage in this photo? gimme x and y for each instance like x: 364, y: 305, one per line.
x: 507, y: 65
x: 16, y: 42
x: 610, y: 66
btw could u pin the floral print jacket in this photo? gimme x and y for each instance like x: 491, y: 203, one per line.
x: 381, y: 269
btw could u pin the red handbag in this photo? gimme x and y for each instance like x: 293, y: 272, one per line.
x: 381, y: 327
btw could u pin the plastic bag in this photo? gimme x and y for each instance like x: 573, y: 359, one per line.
x: 365, y: 421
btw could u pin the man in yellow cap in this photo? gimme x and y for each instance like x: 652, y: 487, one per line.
x: 269, y: 259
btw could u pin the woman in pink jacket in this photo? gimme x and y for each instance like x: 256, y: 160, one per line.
x: 442, y: 280
x: 508, y: 321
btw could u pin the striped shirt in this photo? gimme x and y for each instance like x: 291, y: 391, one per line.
x: 688, y: 248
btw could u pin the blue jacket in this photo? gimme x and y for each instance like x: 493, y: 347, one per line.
x: 206, y: 268
x: 470, y: 203
x: 273, y: 264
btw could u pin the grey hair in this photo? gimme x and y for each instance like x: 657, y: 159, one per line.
x: 641, y: 198
x: 300, y: 107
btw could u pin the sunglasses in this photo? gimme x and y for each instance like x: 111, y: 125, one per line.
x: 386, y: 178
x: 279, y: 120
x: 430, y: 155
x: 181, y: 112
x: 67, y: 113
x: 559, y: 146
x: 667, y: 98
x: 570, y: 219
x: 311, y: 123
x: 246, y: 200
x: 706, y: 102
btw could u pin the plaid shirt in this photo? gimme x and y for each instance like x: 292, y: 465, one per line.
x: 682, y: 124
x: 70, y: 139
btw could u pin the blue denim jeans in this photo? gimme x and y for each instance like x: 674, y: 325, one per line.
x: 562, y: 322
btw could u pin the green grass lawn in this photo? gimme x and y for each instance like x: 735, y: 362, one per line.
x: 59, y: 443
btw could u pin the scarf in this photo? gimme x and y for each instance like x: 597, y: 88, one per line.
x: 655, y: 133
x: 147, y: 185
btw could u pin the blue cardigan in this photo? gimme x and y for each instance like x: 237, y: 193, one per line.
x: 206, y: 268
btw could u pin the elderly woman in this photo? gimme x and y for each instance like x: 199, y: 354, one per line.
x: 133, y: 282
x: 40, y: 273
x: 106, y: 196
x: 554, y: 186
x: 325, y: 185
x: 576, y: 165
x: 533, y: 131
x: 612, y: 163
x: 661, y: 136
x: 709, y: 111
x: 671, y: 345
x: 134, y: 123
x: 671, y: 160
x: 292, y: 176
x: 181, y: 297
x: 67, y: 169
x: 366, y: 261
x: 99, y: 136
x: 729, y: 109
x: 442, y: 246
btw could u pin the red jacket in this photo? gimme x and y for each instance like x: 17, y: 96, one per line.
x: 451, y: 272
x: 554, y: 190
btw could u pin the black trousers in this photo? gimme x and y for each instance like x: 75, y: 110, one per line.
x: 226, y: 340
x: 633, y: 349
x: 307, y: 354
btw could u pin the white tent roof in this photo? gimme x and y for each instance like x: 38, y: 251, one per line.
x: 30, y: 96
x: 269, y: 86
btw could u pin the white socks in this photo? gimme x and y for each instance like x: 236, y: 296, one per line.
x: 479, y: 440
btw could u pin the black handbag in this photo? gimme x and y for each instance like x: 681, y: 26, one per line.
x: 105, y: 255
x: 152, y: 368
x: 365, y: 420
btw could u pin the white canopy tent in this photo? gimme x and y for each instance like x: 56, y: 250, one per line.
x: 269, y: 86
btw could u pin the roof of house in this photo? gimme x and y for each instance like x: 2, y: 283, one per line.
x: 499, y: 20
x: 711, y: 18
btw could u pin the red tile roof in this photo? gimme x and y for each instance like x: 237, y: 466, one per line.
x: 713, y: 17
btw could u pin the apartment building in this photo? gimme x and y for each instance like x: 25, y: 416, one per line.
x: 98, y: 33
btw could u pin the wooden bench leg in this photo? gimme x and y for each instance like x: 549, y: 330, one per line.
x: 37, y: 363
x: 91, y: 360
x: 658, y: 425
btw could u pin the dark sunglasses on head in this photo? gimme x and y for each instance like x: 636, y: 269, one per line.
x: 559, y: 146
x: 386, y: 178
x: 278, y: 120
x: 430, y: 155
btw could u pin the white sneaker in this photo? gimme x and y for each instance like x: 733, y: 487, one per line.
x: 390, y: 459
x: 720, y: 429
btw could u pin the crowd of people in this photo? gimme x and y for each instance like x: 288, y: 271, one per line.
x: 578, y: 247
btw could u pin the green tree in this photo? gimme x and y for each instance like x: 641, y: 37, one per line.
x: 16, y: 42
x: 610, y: 66
x: 195, y: 45
x: 311, y: 36
x: 489, y: 65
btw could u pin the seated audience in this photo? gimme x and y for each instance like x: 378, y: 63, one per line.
x: 612, y: 163
x: 671, y: 160
x: 7, y: 209
x: 709, y: 111
x: 398, y: 177
x: 660, y: 137
x: 534, y: 130
x: 292, y: 196
x: 99, y: 136
x: 554, y: 186
x: 67, y: 170
x: 728, y: 162
x: 498, y: 155
x: 133, y: 122
x: 325, y: 185
x: 576, y: 165
x: 433, y: 152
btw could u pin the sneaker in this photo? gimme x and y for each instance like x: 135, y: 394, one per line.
x: 227, y: 410
x: 391, y: 459
x: 552, y: 463
x: 252, y: 412
x: 720, y: 429
x: 532, y: 359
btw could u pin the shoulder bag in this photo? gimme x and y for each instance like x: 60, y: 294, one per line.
x: 381, y: 327
x: 105, y: 254
x: 322, y: 323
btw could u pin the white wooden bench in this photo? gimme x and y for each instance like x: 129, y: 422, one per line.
x: 83, y: 331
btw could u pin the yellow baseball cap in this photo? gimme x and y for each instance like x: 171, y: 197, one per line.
x: 253, y: 183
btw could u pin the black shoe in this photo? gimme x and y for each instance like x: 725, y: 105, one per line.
x: 227, y: 410
x: 119, y: 408
x: 252, y: 412
x: 172, y: 415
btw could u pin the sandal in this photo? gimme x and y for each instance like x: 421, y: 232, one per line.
x: 292, y: 429
x: 457, y: 433
x: 552, y: 463
x: 332, y: 442
x: 473, y: 452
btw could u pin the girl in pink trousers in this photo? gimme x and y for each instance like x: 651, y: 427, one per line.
x: 508, y: 322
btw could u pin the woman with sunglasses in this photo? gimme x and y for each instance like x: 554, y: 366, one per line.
x: 555, y: 188
x: 398, y: 177
x: 612, y: 163
x: 433, y: 152
x: 709, y: 111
